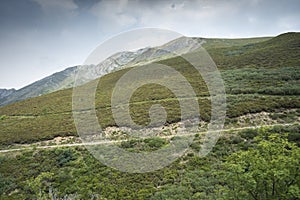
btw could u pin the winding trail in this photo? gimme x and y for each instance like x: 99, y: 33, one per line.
x: 118, y: 141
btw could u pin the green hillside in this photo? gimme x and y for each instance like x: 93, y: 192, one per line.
x: 280, y: 51
x: 256, y: 80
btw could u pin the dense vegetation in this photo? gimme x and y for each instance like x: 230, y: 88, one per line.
x: 280, y: 51
x: 240, y: 164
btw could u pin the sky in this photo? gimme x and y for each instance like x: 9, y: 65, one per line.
x: 41, y: 37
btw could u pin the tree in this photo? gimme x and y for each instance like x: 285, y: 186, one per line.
x: 41, y: 185
x: 172, y: 192
x: 269, y: 170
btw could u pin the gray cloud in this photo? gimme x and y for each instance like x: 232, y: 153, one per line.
x: 39, y: 37
x: 56, y: 4
x: 207, y: 18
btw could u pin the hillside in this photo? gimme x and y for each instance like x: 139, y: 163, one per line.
x: 252, y: 86
x: 280, y: 51
x: 250, y: 51
x: 65, y: 79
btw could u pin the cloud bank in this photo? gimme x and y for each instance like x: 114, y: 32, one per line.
x: 40, y: 37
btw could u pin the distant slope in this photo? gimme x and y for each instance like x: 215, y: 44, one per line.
x: 65, y: 78
x: 57, y: 81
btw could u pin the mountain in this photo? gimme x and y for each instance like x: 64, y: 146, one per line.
x: 5, y: 92
x: 226, y: 53
x: 257, y: 88
x: 65, y: 78
x: 125, y: 59
x: 57, y: 81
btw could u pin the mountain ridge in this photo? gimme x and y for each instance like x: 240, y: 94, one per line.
x: 65, y: 78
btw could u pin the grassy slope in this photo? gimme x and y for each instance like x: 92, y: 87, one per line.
x: 259, y: 75
x: 280, y: 51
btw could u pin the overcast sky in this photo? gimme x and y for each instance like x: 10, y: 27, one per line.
x: 40, y: 37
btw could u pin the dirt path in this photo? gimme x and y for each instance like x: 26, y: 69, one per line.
x: 118, y: 141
